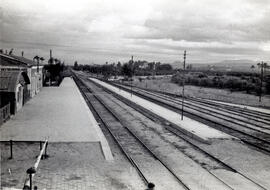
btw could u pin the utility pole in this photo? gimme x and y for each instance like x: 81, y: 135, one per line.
x: 260, y: 98
x: 131, y: 74
x: 183, y: 88
x: 263, y: 65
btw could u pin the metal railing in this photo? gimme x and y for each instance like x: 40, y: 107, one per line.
x: 32, y: 170
x: 4, y: 113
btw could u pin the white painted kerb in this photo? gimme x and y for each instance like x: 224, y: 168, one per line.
x: 103, y: 141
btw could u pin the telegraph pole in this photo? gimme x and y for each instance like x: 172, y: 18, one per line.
x: 260, y: 98
x: 183, y: 89
x: 131, y: 74
x: 263, y: 65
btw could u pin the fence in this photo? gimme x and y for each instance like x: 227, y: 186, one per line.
x: 31, y: 171
x: 4, y: 113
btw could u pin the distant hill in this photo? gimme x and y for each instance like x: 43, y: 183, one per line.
x: 226, y: 65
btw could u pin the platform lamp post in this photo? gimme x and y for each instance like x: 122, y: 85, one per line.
x: 41, y: 59
x: 37, y: 58
x: 183, y: 88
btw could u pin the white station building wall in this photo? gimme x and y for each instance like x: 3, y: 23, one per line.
x: 36, y: 80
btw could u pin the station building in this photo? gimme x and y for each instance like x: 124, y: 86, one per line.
x: 35, y: 73
x: 20, y: 80
x: 13, y: 89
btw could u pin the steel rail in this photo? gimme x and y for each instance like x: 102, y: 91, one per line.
x: 208, y: 120
x: 137, y: 138
x: 204, y: 101
x: 207, y: 104
x: 189, y: 142
x: 133, y: 163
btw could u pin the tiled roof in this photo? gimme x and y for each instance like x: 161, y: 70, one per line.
x: 6, y: 60
x: 29, y: 62
x: 13, y: 60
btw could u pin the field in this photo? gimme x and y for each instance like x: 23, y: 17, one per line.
x: 165, y: 85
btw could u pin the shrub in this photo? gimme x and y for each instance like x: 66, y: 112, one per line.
x: 239, y: 81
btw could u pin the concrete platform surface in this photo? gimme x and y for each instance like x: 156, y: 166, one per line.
x: 59, y: 114
x: 70, y: 166
x: 198, y: 130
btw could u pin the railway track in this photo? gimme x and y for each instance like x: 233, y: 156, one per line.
x: 138, y: 153
x: 243, y: 121
x: 234, y: 108
x: 221, y: 109
x: 243, y: 112
x: 178, y: 134
x: 250, y: 135
x: 247, y: 113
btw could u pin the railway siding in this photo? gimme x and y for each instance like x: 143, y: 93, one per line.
x: 250, y: 136
x: 193, y: 128
x: 236, y: 180
x: 150, y: 167
x: 195, y: 176
x: 239, y: 152
x: 247, y: 122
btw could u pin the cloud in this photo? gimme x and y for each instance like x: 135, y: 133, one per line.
x: 149, y: 29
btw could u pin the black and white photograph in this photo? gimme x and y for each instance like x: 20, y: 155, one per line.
x: 135, y: 94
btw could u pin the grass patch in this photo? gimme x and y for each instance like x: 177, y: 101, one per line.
x: 165, y: 85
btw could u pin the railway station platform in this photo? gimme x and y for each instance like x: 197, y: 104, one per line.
x: 59, y: 114
x: 194, y: 128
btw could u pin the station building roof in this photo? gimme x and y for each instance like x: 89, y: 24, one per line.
x: 10, y: 79
x: 13, y: 60
x: 6, y: 60
x: 24, y: 60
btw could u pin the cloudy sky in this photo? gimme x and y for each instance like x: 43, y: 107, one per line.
x: 96, y: 31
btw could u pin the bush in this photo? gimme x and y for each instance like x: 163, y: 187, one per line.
x: 250, y: 87
x: 205, y: 82
x: 267, y: 86
x: 238, y: 82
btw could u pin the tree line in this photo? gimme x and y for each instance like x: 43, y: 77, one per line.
x: 54, y: 71
x: 128, y: 69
